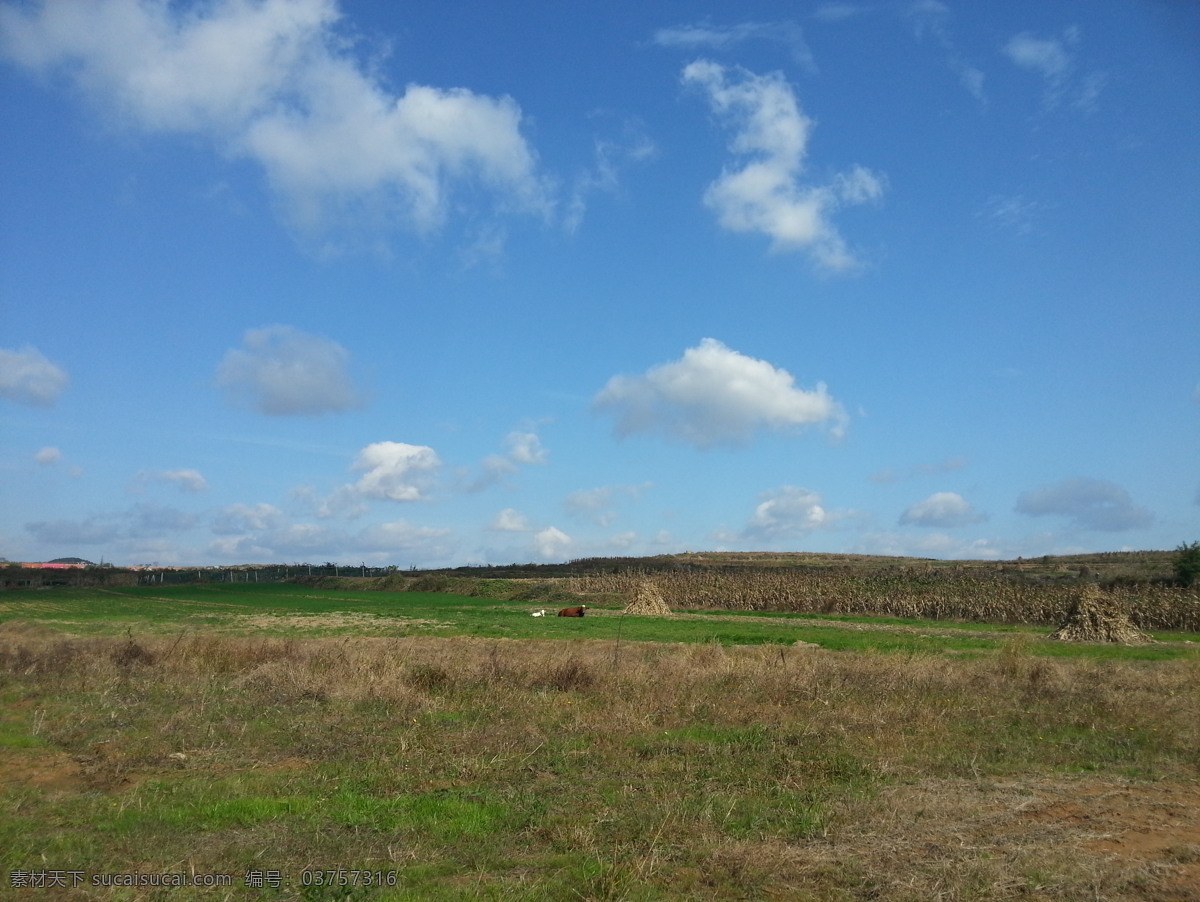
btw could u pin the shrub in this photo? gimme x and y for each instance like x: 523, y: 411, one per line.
x: 1187, y: 564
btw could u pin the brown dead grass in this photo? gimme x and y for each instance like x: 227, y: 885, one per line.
x: 685, y: 770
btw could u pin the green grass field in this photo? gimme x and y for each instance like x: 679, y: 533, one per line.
x: 323, y: 744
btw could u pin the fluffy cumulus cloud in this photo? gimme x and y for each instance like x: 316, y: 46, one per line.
x: 714, y: 396
x: 48, y: 456
x: 281, y: 371
x: 1093, y: 504
x: 395, y: 471
x: 509, y: 520
x: 27, y: 376
x: 552, y: 543
x: 766, y: 193
x: 526, y: 448
x: 788, y: 511
x: 944, y: 510
x: 273, y: 82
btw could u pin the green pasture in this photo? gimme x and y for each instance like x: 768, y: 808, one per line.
x: 283, y: 610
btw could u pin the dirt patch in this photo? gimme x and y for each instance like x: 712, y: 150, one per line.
x: 47, y: 769
x: 337, y: 620
x: 1157, y: 823
x: 1135, y: 841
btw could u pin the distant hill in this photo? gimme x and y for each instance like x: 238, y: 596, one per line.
x: 71, y: 560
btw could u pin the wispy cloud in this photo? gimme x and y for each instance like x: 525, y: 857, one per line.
x: 184, y: 480
x: 1012, y: 213
x: 599, y: 504
x: 273, y: 83
x: 1093, y: 504
x: 706, y: 36
x: 1055, y: 61
x: 612, y: 156
x: 838, y: 12
x: 949, y: 465
x: 715, y: 396
x: 235, y: 519
x: 27, y: 376
x: 522, y: 448
x: 931, y: 18
x: 767, y: 193
x: 281, y: 371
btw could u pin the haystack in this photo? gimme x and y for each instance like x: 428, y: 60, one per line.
x: 648, y: 600
x: 1096, y: 617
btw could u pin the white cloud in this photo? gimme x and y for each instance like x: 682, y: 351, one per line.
x: 949, y: 465
x: 521, y: 449
x: 599, y: 503
x: 526, y: 448
x: 725, y: 37
x: 1088, y: 503
x: 242, y: 518
x: 611, y: 157
x: 838, y: 12
x: 425, y: 542
x: 154, y: 520
x: 92, y: 531
x: 787, y: 511
x: 395, y: 471
x: 281, y: 371
x: 931, y: 17
x: 1047, y: 57
x: 713, y: 396
x: 1015, y: 213
x: 48, y: 456
x: 273, y: 82
x: 28, y: 377
x: 945, y: 510
x: 509, y: 520
x: 552, y: 543
x: 1055, y: 61
x: 766, y: 195
x: 184, y: 480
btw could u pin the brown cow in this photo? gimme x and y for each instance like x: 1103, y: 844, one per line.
x: 572, y: 612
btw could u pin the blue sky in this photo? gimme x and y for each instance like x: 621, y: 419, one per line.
x: 428, y: 283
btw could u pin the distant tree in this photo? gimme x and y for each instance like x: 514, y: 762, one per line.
x: 1187, y: 564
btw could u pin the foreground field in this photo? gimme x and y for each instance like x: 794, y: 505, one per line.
x: 455, y: 748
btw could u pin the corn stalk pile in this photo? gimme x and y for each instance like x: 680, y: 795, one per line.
x: 926, y: 595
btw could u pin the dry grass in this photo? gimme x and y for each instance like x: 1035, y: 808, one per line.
x: 557, y: 770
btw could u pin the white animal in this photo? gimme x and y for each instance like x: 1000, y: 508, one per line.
x: 541, y: 613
